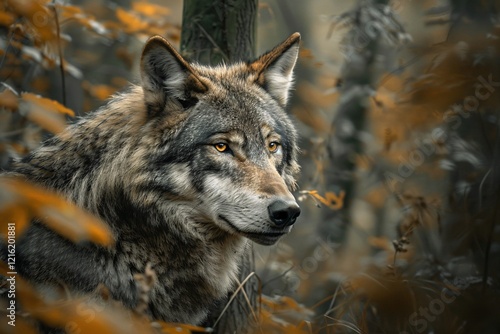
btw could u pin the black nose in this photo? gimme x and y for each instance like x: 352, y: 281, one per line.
x: 283, y: 213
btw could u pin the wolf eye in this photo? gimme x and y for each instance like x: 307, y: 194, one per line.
x: 273, y: 146
x: 221, y: 147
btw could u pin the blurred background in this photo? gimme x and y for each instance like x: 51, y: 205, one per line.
x: 397, y: 105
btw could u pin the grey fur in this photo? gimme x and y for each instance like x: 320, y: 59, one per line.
x: 146, y: 164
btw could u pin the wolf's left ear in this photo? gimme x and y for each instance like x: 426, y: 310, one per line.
x: 275, y: 68
x: 166, y: 75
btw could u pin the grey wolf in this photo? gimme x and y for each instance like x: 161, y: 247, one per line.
x: 185, y: 168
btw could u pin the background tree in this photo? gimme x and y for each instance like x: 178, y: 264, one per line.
x: 219, y: 31
x: 214, y: 32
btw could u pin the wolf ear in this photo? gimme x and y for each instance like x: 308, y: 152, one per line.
x: 166, y: 75
x: 275, y: 68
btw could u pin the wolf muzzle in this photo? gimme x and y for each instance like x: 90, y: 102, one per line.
x: 282, y: 213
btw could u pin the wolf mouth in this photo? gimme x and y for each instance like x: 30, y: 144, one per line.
x: 257, y: 236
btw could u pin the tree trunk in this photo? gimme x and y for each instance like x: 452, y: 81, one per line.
x: 219, y: 31
x: 214, y: 32
x: 358, y: 75
x: 478, y: 204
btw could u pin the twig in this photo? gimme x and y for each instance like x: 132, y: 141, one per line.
x: 250, y: 305
x: 494, y: 217
x: 334, y: 298
x: 4, y: 57
x: 481, y: 188
x: 344, y: 324
x: 214, y: 43
x: 11, y: 133
x: 242, y: 284
x: 279, y: 276
x: 61, y: 63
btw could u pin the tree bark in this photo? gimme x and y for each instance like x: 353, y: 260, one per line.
x: 214, y: 32
x: 358, y: 75
x: 478, y: 204
x: 219, y: 31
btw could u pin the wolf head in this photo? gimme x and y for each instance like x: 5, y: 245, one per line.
x: 230, y: 148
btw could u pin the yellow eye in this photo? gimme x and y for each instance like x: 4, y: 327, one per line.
x: 273, y: 146
x: 221, y: 147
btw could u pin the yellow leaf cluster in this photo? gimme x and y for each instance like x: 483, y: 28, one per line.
x: 132, y: 23
x: 143, y: 18
x: 38, y: 15
x: 283, y: 315
x: 6, y: 19
x: 22, y: 202
x: 47, y: 113
x: 77, y: 315
x: 100, y: 92
x: 150, y: 9
x: 47, y: 104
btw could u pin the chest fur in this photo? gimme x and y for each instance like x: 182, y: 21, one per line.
x: 191, y: 275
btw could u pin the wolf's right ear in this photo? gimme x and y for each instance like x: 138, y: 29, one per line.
x: 275, y: 68
x: 166, y: 75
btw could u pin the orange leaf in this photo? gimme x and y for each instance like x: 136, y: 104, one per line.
x: 102, y: 92
x: 47, y: 113
x: 78, y: 315
x: 68, y: 11
x: 9, y: 100
x: 282, y: 303
x: 149, y: 9
x: 277, y: 312
x: 58, y: 214
x: 6, y: 19
x: 24, y: 326
x: 174, y: 328
x: 132, y: 22
x: 16, y: 214
x: 382, y: 243
x: 37, y: 13
x: 306, y: 53
x: 47, y: 120
x: 48, y: 104
x: 73, y: 223
x: 331, y: 200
